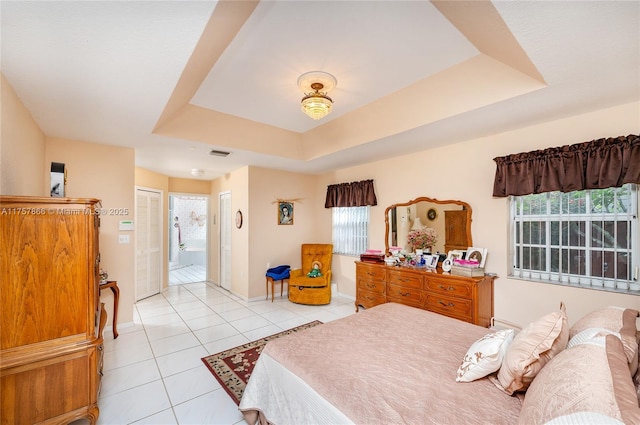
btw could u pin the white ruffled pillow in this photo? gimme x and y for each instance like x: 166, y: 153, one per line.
x: 485, y: 356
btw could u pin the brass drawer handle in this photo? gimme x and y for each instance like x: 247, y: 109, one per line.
x: 404, y: 294
x: 370, y: 285
x: 404, y: 280
x: 446, y: 304
x: 450, y: 288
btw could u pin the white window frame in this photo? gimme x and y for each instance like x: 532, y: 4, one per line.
x: 350, y: 232
x: 584, y: 278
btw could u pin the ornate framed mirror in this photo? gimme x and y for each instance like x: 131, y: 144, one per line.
x: 451, y: 220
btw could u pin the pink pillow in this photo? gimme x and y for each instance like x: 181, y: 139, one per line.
x: 532, y: 348
x: 621, y: 321
x: 586, y: 383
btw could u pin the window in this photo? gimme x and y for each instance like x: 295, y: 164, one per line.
x: 350, y: 230
x: 586, y: 237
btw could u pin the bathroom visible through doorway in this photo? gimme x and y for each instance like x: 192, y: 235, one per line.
x: 188, y: 238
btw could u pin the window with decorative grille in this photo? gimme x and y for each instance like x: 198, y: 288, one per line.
x: 588, y: 238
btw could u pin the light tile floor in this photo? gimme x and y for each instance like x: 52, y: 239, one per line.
x: 153, y: 373
x: 187, y: 274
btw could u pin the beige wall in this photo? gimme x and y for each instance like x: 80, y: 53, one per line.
x: 468, y: 168
x: 92, y: 173
x: 273, y: 244
x: 201, y: 187
x: 22, y: 148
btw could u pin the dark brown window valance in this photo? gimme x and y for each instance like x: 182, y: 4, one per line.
x: 597, y: 164
x: 354, y: 194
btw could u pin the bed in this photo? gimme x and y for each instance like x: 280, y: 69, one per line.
x: 395, y: 364
x: 388, y: 364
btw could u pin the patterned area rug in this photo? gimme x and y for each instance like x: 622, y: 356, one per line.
x: 233, y: 367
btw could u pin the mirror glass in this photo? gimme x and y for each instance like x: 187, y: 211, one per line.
x: 450, y: 219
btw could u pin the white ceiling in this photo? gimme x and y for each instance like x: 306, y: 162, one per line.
x: 104, y: 72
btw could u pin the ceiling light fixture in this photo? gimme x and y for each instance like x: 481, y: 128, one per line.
x: 197, y: 172
x: 316, y: 85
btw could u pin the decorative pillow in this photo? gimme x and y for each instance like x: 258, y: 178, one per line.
x: 615, y: 319
x: 589, y: 380
x: 532, y: 348
x: 485, y: 356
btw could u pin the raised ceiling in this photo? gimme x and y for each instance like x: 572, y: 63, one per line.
x: 175, y: 79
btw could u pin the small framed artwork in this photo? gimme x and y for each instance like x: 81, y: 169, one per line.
x: 456, y: 254
x: 432, y: 214
x: 285, y: 213
x: 432, y: 262
x: 477, y: 254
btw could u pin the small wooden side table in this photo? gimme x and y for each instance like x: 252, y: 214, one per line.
x: 270, y: 279
x: 113, y: 285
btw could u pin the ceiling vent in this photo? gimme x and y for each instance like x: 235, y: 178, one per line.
x: 219, y: 153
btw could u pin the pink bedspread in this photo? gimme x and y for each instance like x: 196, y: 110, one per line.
x: 393, y: 364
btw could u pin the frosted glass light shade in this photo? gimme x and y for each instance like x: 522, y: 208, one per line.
x: 315, y: 85
x: 317, y: 105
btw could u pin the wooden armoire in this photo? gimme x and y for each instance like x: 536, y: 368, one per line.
x: 51, y: 318
x: 455, y: 232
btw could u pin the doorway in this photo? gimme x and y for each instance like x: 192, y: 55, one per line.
x: 188, y: 238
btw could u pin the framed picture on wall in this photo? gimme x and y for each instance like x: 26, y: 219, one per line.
x: 285, y: 213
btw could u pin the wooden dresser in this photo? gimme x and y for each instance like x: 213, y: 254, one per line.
x: 52, y: 319
x: 466, y: 298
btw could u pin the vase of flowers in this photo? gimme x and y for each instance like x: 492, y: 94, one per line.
x: 422, y: 239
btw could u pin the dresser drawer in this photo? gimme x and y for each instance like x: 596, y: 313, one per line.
x: 368, y: 299
x: 449, y: 287
x: 371, y: 272
x: 376, y: 286
x: 404, y: 295
x: 450, y: 306
x: 401, y: 278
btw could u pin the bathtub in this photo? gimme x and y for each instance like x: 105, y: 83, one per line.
x: 194, y: 252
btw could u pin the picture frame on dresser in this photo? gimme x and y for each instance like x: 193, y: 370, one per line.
x: 456, y: 254
x: 478, y: 254
x: 432, y: 261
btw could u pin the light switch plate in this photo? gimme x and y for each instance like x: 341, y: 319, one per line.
x: 123, y: 238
